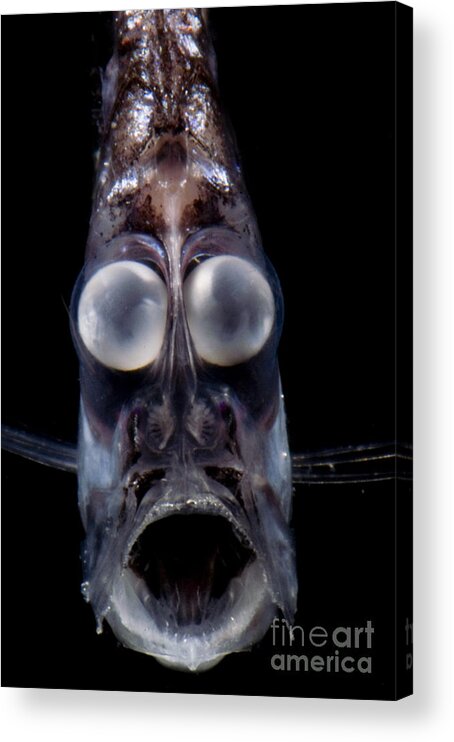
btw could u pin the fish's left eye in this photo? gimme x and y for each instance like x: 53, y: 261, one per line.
x: 230, y: 310
x: 122, y: 315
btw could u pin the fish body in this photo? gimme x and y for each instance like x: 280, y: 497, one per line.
x: 183, y: 462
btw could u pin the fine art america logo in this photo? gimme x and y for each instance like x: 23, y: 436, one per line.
x: 336, y: 647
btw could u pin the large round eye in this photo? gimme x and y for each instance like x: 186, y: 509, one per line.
x: 122, y: 315
x: 229, y: 308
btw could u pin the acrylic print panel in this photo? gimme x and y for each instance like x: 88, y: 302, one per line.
x: 310, y: 93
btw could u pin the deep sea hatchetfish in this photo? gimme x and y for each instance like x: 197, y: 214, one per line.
x: 183, y: 461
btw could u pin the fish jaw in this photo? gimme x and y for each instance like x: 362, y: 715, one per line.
x: 195, y: 570
x: 188, y: 649
x: 188, y: 631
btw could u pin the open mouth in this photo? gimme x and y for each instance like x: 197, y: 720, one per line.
x: 192, y: 565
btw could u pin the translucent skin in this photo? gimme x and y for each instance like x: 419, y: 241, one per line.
x: 192, y: 445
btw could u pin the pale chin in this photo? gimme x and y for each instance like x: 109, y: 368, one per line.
x: 245, y: 619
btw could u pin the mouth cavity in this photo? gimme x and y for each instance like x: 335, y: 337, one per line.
x: 190, y: 564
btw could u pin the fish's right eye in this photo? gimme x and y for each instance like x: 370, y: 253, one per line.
x: 122, y: 315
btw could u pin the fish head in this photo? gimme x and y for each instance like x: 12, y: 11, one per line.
x: 184, y: 470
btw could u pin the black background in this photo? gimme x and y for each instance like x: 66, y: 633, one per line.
x: 310, y: 92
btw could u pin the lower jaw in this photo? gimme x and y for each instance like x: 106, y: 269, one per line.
x: 242, y: 620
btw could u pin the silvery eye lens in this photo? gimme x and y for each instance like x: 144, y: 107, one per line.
x: 229, y: 308
x: 122, y: 315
